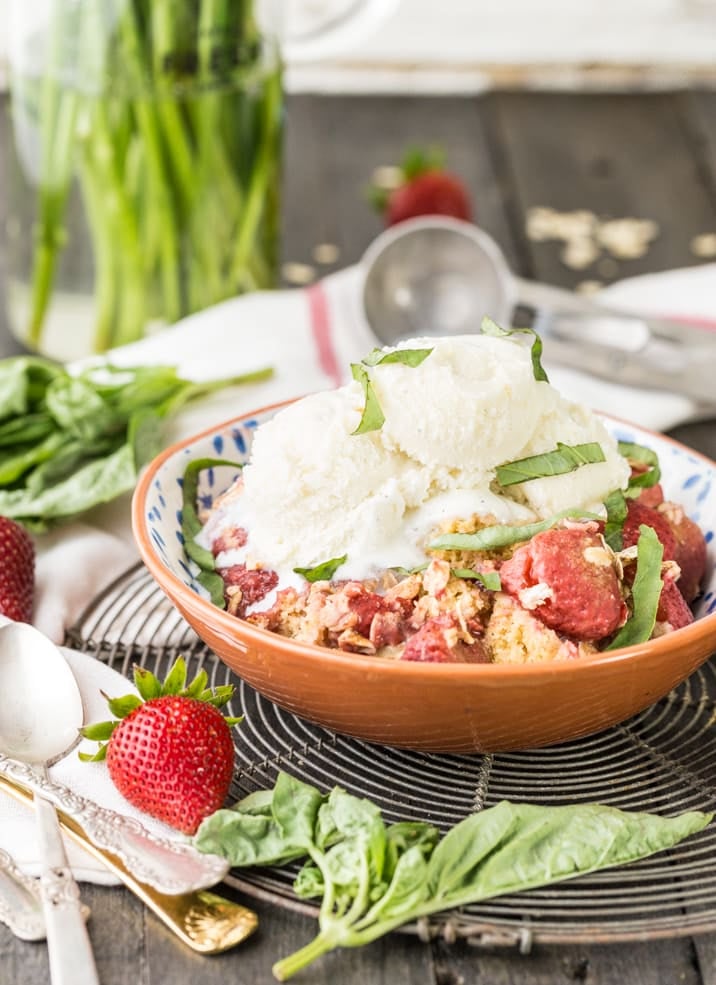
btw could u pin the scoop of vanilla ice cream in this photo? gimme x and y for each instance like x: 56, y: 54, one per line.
x: 585, y: 487
x: 472, y: 404
x: 314, y: 490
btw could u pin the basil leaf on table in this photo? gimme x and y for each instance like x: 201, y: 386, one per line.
x: 372, y: 877
x: 71, y: 441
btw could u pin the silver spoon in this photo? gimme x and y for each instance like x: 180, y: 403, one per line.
x: 436, y: 276
x: 40, y: 717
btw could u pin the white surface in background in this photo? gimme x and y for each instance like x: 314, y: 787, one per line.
x: 427, y: 46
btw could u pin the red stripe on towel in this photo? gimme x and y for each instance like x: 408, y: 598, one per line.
x: 321, y: 329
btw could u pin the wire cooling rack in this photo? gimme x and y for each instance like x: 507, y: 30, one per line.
x: 662, y: 760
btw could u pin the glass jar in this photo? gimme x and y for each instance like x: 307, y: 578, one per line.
x: 145, y: 169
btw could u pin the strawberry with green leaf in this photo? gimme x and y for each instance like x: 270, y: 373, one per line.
x: 169, y: 750
x: 424, y: 188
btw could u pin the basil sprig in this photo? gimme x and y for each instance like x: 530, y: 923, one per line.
x: 372, y: 877
x: 191, y: 526
x: 490, y: 327
x: 646, y: 591
x: 323, y: 571
x: 504, y: 535
x: 616, y: 507
x: 563, y: 459
x: 644, y: 456
x: 373, y: 418
x: 488, y: 579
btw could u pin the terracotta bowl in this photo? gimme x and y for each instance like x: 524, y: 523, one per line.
x: 433, y: 707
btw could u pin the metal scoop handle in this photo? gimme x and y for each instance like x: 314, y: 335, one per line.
x: 629, y: 349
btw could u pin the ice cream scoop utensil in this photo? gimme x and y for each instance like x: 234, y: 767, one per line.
x: 204, y: 921
x: 436, y: 276
x: 167, y: 864
x: 40, y: 717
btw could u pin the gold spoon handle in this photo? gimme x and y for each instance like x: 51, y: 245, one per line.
x: 202, y: 920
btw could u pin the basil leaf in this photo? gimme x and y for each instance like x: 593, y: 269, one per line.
x: 646, y: 591
x: 616, y: 508
x: 564, y: 458
x: 208, y: 577
x: 490, y: 327
x: 512, y: 847
x: 644, y: 456
x: 489, y: 580
x: 408, y: 357
x: 499, y: 535
x: 324, y: 571
x: 372, y: 418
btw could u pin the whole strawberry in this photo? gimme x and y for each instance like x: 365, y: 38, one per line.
x: 17, y: 571
x: 170, y: 753
x: 424, y: 187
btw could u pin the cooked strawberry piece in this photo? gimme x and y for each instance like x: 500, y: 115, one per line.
x: 689, y: 549
x: 438, y: 641
x: 638, y: 513
x: 672, y: 606
x: 255, y: 584
x: 229, y: 540
x: 566, y: 578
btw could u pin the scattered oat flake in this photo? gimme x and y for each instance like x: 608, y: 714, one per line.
x: 704, y: 246
x: 589, y: 286
x: 298, y: 273
x: 388, y: 176
x: 628, y: 238
x: 326, y: 253
x: 579, y: 252
x: 544, y: 223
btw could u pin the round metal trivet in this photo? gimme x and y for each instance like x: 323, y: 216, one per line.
x: 662, y: 760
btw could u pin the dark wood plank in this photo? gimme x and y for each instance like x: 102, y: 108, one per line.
x: 645, y: 963
x: 615, y: 155
x: 333, y: 144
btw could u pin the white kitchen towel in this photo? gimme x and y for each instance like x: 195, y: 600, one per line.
x: 309, y: 336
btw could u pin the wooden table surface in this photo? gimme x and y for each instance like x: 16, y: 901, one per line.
x: 649, y: 156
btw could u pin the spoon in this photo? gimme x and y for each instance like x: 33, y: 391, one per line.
x: 437, y: 276
x: 40, y: 717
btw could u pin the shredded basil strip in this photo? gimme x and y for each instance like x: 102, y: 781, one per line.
x: 191, y: 525
x: 372, y: 418
x: 645, y: 456
x: 489, y: 580
x: 408, y: 357
x: 564, y: 458
x: 646, y: 591
x: 499, y: 535
x: 406, y: 572
x: 490, y: 327
x: 323, y: 571
x: 616, y: 508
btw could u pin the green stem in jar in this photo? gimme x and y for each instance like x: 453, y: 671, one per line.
x: 57, y: 113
